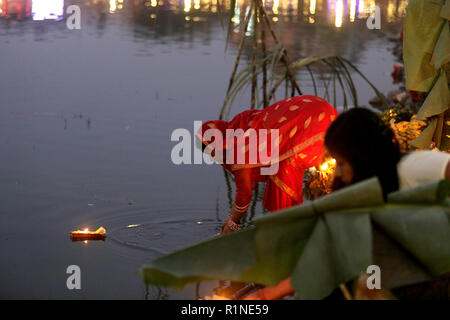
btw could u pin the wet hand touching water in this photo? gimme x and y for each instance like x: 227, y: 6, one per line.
x: 229, y: 226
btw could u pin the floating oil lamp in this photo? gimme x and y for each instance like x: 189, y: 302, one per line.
x: 82, y: 235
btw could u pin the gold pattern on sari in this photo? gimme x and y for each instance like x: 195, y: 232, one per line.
x: 321, y: 116
x: 295, y: 150
x: 293, y: 131
x: 307, y: 122
x: 285, y: 188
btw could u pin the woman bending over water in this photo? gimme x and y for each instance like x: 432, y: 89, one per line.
x: 301, y: 123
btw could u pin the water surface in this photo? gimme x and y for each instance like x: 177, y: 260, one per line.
x: 85, y: 123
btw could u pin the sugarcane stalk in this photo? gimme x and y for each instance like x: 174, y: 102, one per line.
x: 255, y: 56
x: 236, y: 64
x: 264, y: 66
x: 275, y: 38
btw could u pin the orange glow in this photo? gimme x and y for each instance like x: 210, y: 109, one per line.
x: 85, y: 234
x: 216, y: 297
x: 328, y: 166
x: 81, y: 231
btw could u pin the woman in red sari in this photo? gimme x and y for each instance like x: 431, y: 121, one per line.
x: 301, y: 123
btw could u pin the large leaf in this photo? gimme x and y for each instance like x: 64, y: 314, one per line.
x: 223, y: 257
x: 338, y: 250
x: 325, y: 243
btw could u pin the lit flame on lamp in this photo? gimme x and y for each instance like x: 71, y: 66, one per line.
x: 319, y: 179
x: 85, y: 234
x: 328, y: 166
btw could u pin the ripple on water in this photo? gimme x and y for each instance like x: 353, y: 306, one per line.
x: 158, y: 230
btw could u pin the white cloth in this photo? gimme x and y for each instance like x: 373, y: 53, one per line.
x: 420, y: 167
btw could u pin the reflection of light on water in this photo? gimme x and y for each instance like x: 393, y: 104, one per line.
x: 402, y: 7
x: 368, y: 9
x: 312, y: 7
x: 237, y: 12
x: 391, y: 11
x: 250, y: 24
x: 187, y: 5
x: 44, y: 9
x: 313, y: 11
x: 361, y: 9
x: 294, y: 11
x: 352, y: 10
x: 112, y: 6
x: 276, y: 4
x: 339, y: 13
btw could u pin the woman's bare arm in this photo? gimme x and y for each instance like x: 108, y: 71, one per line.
x: 244, y: 189
x: 282, y: 289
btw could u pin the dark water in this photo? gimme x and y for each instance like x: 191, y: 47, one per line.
x: 85, y: 123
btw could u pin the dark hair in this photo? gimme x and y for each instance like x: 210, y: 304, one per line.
x: 367, y: 143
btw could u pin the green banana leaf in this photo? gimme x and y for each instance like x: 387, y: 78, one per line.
x: 426, y: 54
x: 325, y: 243
x: 422, y: 30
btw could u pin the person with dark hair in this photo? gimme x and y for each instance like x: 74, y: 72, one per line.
x: 364, y: 147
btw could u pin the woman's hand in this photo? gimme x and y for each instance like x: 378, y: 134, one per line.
x: 282, y: 289
x: 229, y: 226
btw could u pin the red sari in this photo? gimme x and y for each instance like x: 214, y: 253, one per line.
x: 301, y: 122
